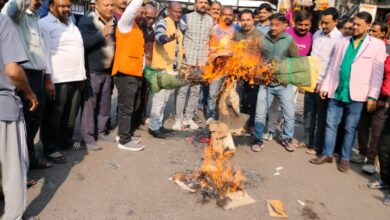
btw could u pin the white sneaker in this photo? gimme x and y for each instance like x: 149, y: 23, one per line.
x: 131, y: 146
x: 369, y: 168
x: 209, y: 120
x: 136, y: 140
x: 191, y: 123
x: 269, y: 136
x: 177, y: 126
x: 133, y: 139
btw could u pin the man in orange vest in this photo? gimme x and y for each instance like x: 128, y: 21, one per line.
x: 127, y: 70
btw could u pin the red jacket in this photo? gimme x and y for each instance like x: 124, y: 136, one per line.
x: 385, y: 89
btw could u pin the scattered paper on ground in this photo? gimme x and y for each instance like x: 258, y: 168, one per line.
x: 279, y: 168
x: 183, y: 185
x: 300, y: 202
x: 276, y: 208
x: 238, y: 198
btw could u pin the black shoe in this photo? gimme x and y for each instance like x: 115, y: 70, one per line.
x: 165, y: 130
x: 157, y: 133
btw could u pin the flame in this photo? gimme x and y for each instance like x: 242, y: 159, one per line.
x: 222, y: 176
x: 238, y: 60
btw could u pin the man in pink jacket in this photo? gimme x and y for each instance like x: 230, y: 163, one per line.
x: 354, y: 77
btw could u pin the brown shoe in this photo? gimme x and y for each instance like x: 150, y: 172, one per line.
x: 321, y: 160
x: 343, y: 166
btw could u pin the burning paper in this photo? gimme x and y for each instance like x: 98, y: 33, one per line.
x: 276, y: 208
x: 216, y: 179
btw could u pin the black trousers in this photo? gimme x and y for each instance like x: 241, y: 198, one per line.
x: 129, y: 92
x: 140, y: 112
x: 384, y: 152
x: 33, y: 119
x: 60, y: 115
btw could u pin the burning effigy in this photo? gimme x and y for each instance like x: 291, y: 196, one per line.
x: 232, y: 61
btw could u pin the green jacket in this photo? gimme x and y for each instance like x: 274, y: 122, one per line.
x: 279, y: 48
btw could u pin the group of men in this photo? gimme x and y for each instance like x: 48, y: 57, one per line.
x: 64, y: 68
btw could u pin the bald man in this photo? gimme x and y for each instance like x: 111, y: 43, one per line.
x: 150, y: 17
x: 98, y: 37
x: 167, y: 56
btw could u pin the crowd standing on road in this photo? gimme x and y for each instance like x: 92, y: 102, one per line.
x: 53, y: 66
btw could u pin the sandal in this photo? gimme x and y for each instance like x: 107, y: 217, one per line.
x: 56, y: 157
x: 377, y: 184
x: 40, y: 165
x: 30, y: 183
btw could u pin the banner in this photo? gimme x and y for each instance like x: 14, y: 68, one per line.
x: 368, y: 8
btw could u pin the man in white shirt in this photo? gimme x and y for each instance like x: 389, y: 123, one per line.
x: 324, y: 41
x: 64, y: 79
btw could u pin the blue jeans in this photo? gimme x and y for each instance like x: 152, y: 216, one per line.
x: 335, y: 112
x: 212, y: 98
x: 266, y: 94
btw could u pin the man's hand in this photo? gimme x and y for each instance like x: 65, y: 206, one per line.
x: 317, y: 88
x: 108, y: 28
x: 371, y: 105
x: 323, y: 94
x: 18, y: 78
x: 50, y: 89
x: 172, y: 37
x: 33, y: 101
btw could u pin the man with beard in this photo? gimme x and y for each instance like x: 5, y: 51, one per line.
x: 301, y: 32
x: 127, y: 71
x: 13, y: 158
x: 167, y: 56
x: 64, y: 79
x: 251, y: 36
x: 346, y: 28
x: 276, y: 45
x: 303, y: 39
x: 197, y: 28
x: 98, y: 37
x: 147, y: 29
x: 371, y: 123
x: 354, y: 76
x: 223, y: 31
x: 140, y: 115
x: 215, y: 11
x: 26, y: 20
